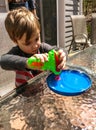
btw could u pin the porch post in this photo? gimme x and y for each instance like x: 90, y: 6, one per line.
x: 60, y: 22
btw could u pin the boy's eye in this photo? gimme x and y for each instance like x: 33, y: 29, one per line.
x: 30, y: 42
x: 37, y: 39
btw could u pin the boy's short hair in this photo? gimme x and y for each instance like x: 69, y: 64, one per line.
x: 20, y: 21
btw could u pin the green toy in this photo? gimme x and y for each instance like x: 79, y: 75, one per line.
x: 51, y: 64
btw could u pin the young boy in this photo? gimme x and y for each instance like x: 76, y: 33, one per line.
x: 24, y: 29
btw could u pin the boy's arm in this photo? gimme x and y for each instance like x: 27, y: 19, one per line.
x: 13, y: 62
x: 46, y: 48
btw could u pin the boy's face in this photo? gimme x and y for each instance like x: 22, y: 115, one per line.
x: 32, y: 46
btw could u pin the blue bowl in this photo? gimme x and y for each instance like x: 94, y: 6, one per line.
x: 69, y: 83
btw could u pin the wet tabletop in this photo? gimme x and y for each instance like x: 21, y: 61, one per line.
x: 35, y: 107
x: 85, y: 60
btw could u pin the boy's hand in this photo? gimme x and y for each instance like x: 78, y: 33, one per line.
x: 43, y: 57
x: 62, y: 56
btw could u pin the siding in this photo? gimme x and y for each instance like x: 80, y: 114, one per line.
x: 70, y: 7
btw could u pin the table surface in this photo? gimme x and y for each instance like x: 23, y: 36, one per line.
x: 35, y: 107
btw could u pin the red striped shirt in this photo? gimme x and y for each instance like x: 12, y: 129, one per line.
x: 22, y: 77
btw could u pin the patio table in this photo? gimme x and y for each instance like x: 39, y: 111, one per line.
x: 34, y: 106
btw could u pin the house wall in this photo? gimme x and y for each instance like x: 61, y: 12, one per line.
x: 4, y: 6
x: 65, y: 8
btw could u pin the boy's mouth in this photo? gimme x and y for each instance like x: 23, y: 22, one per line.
x: 34, y: 52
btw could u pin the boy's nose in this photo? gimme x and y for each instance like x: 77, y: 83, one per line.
x: 37, y: 45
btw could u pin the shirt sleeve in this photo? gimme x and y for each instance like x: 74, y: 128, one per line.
x: 12, y: 60
x: 46, y: 48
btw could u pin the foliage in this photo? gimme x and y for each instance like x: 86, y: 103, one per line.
x: 89, y: 6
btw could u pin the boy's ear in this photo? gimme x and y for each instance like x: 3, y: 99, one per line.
x: 15, y: 41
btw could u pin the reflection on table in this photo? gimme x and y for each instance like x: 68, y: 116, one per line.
x: 35, y: 107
